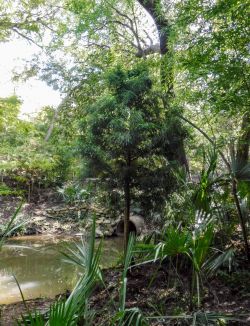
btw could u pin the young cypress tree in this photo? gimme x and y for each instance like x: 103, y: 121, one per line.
x: 120, y: 138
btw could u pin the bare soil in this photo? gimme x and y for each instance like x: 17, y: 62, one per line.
x: 37, y: 221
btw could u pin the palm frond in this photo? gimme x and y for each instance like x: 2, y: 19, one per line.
x: 202, y: 318
x: 62, y: 314
x: 31, y: 319
x: 201, y: 243
x: 75, y: 308
x: 10, y: 228
x: 130, y: 317
x: 127, y: 262
x: 213, y: 264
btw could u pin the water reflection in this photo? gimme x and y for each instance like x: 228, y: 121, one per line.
x: 36, y: 263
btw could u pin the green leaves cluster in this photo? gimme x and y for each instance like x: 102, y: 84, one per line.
x: 121, y: 134
x: 212, y: 58
x: 27, y: 160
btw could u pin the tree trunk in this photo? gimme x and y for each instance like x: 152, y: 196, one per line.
x: 51, y: 127
x: 153, y: 7
x: 127, y: 203
x: 242, y: 157
x: 126, y: 213
x: 244, y: 141
x: 241, y: 218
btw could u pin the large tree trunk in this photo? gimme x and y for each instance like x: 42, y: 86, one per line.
x: 153, y: 7
x: 244, y: 140
x: 242, y: 219
x: 242, y: 157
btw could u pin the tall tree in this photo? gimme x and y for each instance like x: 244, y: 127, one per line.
x: 29, y: 19
x: 121, y: 136
x: 117, y: 32
x: 213, y: 52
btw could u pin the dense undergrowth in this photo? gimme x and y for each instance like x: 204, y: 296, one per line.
x: 163, y: 281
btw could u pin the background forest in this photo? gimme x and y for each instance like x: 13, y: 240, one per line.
x: 155, y: 121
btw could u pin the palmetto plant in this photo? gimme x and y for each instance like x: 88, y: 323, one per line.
x: 72, y: 192
x: 196, y: 246
x: 240, y: 173
x: 124, y: 316
x: 11, y: 227
x: 76, y: 308
x: 212, y: 182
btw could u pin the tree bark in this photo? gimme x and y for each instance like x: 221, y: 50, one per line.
x: 241, y: 218
x: 244, y: 141
x: 242, y: 157
x: 127, y: 203
x: 153, y: 7
x: 51, y: 127
x: 126, y: 214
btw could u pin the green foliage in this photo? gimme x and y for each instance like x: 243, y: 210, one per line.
x: 72, y: 192
x: 121, y: 137
x: 196, y: 245
x: 61, y: 314
x: 28, y: 162
x: 203, y: 195
x: 9, y: 109
x: 6, y: 190
x: 130, y: 132
x: 26, y: 19
x: 11, y: 227
x: 12, y: 130
x: 211, y: 63
x: 33, y: 319
x: 215, y: 59
x: 193, y: 244
x: 127, y: 316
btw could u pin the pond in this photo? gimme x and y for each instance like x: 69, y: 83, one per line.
x: 38, y: 266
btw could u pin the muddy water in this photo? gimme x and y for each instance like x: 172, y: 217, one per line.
x: 38, y: 266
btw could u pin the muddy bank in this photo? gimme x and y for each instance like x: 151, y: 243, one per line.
x: 10, y: 313
x: 56, y: 218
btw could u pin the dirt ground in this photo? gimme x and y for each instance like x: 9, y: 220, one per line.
x: 10, y: 313
x: 37, y: 220
x: 161, y: 295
